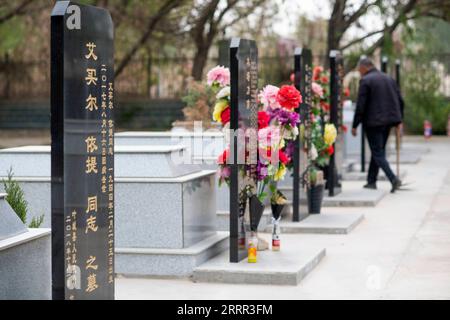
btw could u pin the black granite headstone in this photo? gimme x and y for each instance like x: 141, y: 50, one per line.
x: 363, y: 140
x: 384, y: 64
x: 303, y: 82
x: 336, y: 118
x: 243, y: 137
x: 224, y: 52
x: 82, y: 129
x: 397, y: 73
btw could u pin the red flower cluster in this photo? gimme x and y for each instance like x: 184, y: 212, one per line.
x: 223, y: 158
x: 284, y: 159
x: 226, y: 115
x: 289, y: 97
x: 330, y: 150
x: 347, y: 92
x: 263, y: 119
x: 317, y: 73
x: 325, y: 106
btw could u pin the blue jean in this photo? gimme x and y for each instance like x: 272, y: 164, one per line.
x: 377, y: 138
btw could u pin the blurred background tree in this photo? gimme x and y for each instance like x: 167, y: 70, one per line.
x: 162, y: 44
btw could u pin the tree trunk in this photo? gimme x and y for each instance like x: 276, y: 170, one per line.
x: 200, y: 59
x: 335, y: 28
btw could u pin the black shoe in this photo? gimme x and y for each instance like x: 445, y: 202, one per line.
x: 396, y: 185
x: 372, y: 186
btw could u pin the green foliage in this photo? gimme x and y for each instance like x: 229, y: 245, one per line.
x: 16, y: 199
x: 11, y: 35
x: 423, y: 101
x: 36, y: 222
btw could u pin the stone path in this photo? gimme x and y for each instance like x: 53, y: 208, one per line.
x: 401, y: 250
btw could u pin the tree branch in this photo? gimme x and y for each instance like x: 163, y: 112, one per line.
x: 358, y: 40
x: 16, y: 11
x: 164, y: 10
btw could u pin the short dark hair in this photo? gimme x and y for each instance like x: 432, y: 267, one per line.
x: 366, y: 62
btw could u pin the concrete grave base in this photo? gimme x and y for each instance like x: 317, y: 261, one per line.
x: 325, y: 223
x: 286, y: 267
x: 353, y: 195
x: 25, y: 266
x: 169, y: 262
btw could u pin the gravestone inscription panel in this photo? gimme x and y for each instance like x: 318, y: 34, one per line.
x: 303, y: 82
x: 82, y: 105
x: 336, y: 118
x: 243, y: 138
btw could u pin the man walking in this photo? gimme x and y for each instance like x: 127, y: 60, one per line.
x: 379, y: 108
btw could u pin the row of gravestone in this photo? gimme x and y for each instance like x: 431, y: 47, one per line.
x: 131, y: 209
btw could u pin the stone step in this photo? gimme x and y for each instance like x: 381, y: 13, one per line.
x: 409, y: 157
x: 286, y: 267
x: 325, y: 223
x: 353, y: 197
x: 362, y: 176
x: 169, y: 262
x: 130, y: 161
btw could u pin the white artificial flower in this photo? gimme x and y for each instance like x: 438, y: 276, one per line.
x: 314, y: 153
x: 224, y: 93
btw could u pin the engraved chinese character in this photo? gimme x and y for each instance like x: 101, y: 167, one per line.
x: 91, y: 55
x: 91, y: 165
x: 92, y: 204
x: 91, y: 103
x: 91, y: 224
x: 92, y: 283
x: 91, y: 76
x: 91, y: 144
x: 90, y: 263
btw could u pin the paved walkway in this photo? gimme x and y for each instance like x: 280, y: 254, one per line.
x: 400, y: 251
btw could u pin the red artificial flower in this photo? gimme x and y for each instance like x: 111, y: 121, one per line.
x: 284, y: 159
x: 223, y: 158
x: 344, y: 128
x: 269, y: 153
x: 317, y: 72
x: 226, y: 115
x: 325, y: 79
x: 330, y: 150
x: 263, y: 120
x: 347, y: 92
x: 325, y: 106
x: 289, y: 97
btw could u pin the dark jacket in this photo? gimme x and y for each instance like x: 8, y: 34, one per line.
x: 379, y: 101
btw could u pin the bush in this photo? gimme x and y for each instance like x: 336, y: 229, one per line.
x: 199, y: 102
x: 423, y: 101
x: 16, y: 199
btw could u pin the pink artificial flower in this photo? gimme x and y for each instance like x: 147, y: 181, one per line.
x: 268, y: 97
x: 268, y: 137
x: 219, y: 75
x: 317, y: 89
x: 224, y: 172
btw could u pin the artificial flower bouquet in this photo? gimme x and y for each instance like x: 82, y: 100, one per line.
x: 278, y: 123
x: 321, y: 94
x: 320, y: 137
